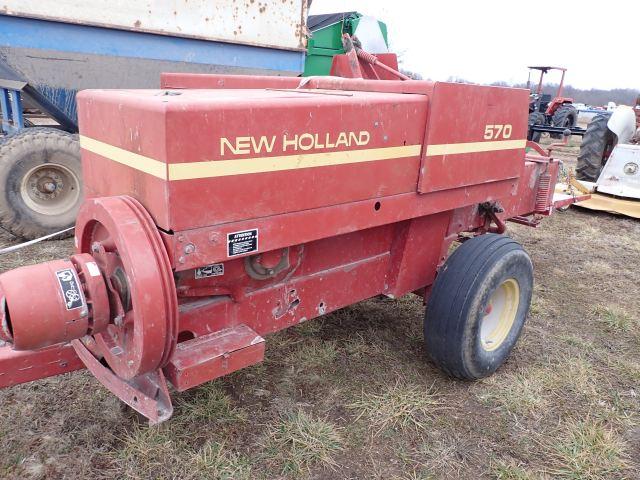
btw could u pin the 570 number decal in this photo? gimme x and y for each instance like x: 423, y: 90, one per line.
x: 494, y: 132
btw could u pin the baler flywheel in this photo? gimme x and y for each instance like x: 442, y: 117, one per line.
x: 127, y: 247
x: 118, y: 303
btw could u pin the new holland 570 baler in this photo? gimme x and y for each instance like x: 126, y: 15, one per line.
x: 221, y: 209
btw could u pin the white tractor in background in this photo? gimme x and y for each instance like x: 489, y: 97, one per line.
x: 609, y: 162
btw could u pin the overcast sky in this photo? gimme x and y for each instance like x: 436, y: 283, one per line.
x: 488, y: 40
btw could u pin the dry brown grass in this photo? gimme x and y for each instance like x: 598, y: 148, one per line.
x: 298, y: 441
x: 397, y: 407
x: 521, y: 393
x: 213, y: 460
x: 615, y: 319
x: 502, y: 470
x: 588, y: 450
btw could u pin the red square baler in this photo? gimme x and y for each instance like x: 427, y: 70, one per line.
x: 220, y: 209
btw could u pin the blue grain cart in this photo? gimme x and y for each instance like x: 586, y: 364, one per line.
x: 51, y: 49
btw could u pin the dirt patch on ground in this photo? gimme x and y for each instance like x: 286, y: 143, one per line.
x: 351, y: 395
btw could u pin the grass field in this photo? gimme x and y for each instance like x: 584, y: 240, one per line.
x: 351, y: 395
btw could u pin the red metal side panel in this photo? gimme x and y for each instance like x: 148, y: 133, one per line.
x: 306, y: 259
x: 416, y: 252
x: 475, y: 135
x: 291, y: 301
x: 240, y: 154
x: 301, y: 227
x: 116, y: 124
x: 225, y: 155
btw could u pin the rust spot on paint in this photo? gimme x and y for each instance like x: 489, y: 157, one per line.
x: 137, y: 24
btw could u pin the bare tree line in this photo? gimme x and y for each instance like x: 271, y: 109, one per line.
x: 592, y: 96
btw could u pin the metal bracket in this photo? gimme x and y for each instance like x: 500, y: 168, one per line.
x: 11, y: 110
x: 491, y: 209
x: 147, y: 394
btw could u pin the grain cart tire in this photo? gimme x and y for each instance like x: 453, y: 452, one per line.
x: 597, y: 144
x: 40, y: 178
x: 565, y: 116
x: 478, y: 306
x: 535, y: 118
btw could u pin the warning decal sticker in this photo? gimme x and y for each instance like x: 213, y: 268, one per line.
x: 70, y: 288
x: 239, y: 243
x: 207, y: 271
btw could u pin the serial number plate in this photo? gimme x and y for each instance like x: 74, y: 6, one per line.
x: 207, y: 271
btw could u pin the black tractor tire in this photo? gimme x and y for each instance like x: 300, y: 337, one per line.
x: 535, y: 118
x: 468, y: 331
x: 565, y: 116
x: 597, y: 144
x: 40, y: 178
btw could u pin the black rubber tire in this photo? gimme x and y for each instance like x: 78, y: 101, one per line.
x: 459, y: 299
x: 535, y: 118
x: 566, y: 116
x: 19, y: 154
x: 597, y: 144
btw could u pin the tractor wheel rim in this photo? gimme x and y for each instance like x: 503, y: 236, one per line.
x: 50, y: 189
x: 499, y: 315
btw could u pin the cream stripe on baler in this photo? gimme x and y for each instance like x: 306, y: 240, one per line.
x: 474, y: 147
x: 223, y: 168
x: 125, y: 157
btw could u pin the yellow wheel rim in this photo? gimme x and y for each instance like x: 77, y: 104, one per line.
x: 499, y: 315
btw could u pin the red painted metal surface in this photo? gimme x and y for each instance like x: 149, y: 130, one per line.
x: 127, y: 248
x: 268, y: 124
x: 357, y: 63
x: 228, y: 208
x: 210, y: 356
x: 20, y: 367
x: 454, y: 155
x: 60, y: 311
x: 147, y: 393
